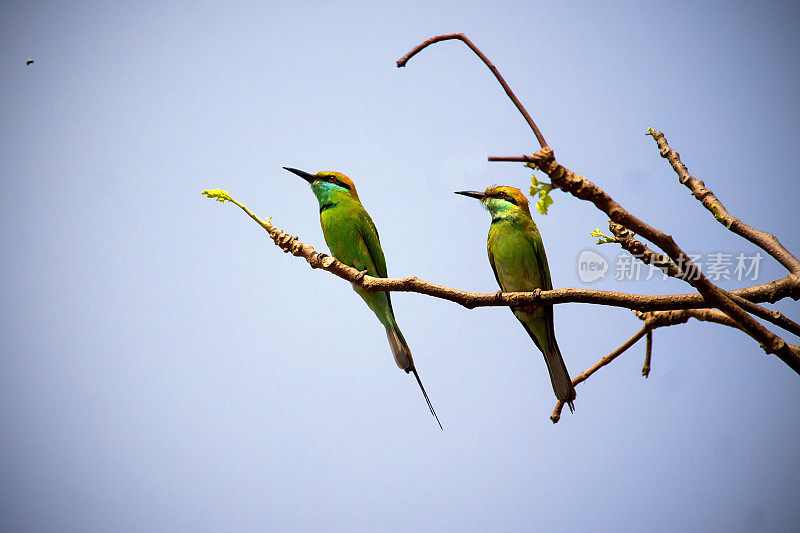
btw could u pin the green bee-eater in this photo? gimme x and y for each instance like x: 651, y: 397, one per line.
x: 353, y: 239
x: 517, y: 256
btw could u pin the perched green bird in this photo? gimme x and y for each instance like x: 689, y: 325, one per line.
x: 517, y: 256
x: 353, y: 239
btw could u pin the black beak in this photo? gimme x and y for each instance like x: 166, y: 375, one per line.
x: 472, y: 194
x: 305, y: 175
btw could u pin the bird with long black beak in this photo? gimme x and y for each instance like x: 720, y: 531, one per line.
x: 353, y: 239
x: 516, y: 253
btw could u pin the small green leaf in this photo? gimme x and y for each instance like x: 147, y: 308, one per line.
x: 544, y: 203
x: 542, y: 190
x: 604, y: 239
x: 218, y: 195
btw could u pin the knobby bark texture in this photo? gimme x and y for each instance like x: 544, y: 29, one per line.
x: 710, y: 303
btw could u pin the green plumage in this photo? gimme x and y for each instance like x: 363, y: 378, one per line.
x: 519, y: 262
x: 353, y: 239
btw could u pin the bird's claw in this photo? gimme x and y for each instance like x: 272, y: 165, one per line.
x: 498, y: 296
x: 360, y: 276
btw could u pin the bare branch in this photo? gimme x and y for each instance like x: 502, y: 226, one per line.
x: 463, y: 38
x: 511, y: 159
x: 772, y: 291
x: 625, y: 238
x: 766, y: 241
x: 647, y: 354
x: 597, y: 366
x: 660, y: 319
x: 584, y: 189
x: 639, y: 250
x: 291, y: 244
x: 655, y: 320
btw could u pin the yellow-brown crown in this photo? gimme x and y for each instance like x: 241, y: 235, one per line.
x: 339, y: 179
x: 508, y: 193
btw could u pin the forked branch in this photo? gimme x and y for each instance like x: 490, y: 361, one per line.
x: 710, y: 303
x: 597, y: 366
x: 582, y: 188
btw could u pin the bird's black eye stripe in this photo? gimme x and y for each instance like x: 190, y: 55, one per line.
x: 507, y: 197
x: 336, y: 181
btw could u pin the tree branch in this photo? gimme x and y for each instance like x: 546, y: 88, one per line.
x: 597, y: 366
x: 771, y: 291
x: 766, y: 241
x: 710, y: 303
x: 463, y: 38
x: 647, y: 354
x: 637, y: 249
x: 291, y: 244
x: 660, y: 319
x: 584, y: 189
x: 655, y: 320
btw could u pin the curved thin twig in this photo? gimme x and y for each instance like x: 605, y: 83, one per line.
x: 463, y: 38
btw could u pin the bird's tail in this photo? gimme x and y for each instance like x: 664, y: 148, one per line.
x: 559, y: 377
x: 402, y: 356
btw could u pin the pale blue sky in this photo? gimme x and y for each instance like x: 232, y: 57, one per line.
x: 165, y: 367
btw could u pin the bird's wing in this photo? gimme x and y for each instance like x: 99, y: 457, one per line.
x: 494, y: 268
x: 369, y: 233
x: 539, y: 259
x: 528, y: 270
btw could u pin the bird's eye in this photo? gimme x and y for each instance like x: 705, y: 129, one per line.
x: 502, y: 195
